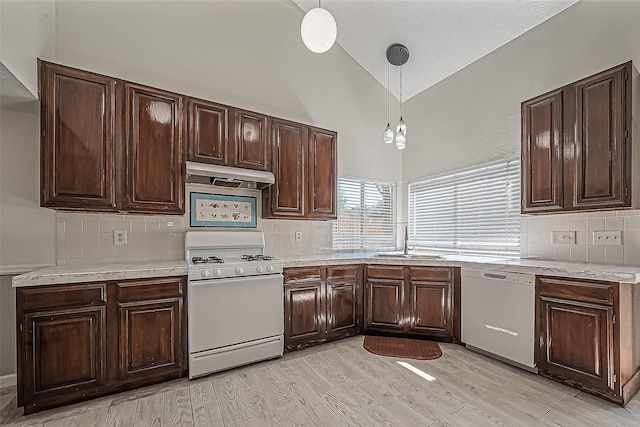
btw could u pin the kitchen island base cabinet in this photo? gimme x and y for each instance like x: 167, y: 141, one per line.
x: 321, y: 304
x: 80, y: 341
x: 586, y: 335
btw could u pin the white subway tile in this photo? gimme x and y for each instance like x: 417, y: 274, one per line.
x: 533, y: 237
x: 60, y: 230
x: 563, y: 252
x: 107, y: 225
x: 548, y: 252
x: 73, y: 226
x: 632, y: 255
x: 73, y: 251
x: 595, y: 254
x: 549, y: 224
x: 91, y: 225
x: 91, y: 251
x: 138, y: 227
x: 632, y: 223
x: 73, y: 239
x: 614, y: 255
x: 628, y: 212
x: 614, y: 223
x: 578, y: 253
x: 582, y: 237
x: 602, y: 214
x: 595, y: 224
x: 562, y: 223
x: 534, y: 225
x: 578, y: 224
x: 91, y: 239
x: 107, y: 251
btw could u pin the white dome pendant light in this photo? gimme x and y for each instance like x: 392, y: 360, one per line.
x: 398, y: 55
x: 388, y: 132
x: 318, y: 30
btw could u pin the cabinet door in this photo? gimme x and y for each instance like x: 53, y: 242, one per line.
x: 286, y: 198
x: 430, y: 306
x: 599, y: 177
x: 64, y: 355
x: 304, y: 314
x: 208, y: 132
x: 542, y: 142
x: 576, y: 342
x: 78, y: 139
x: 342, y: 308
x: 384, y: 304
x: 252, y: 143
x: 322, y: 174
x: 151, y: 328
x: 154, y: 160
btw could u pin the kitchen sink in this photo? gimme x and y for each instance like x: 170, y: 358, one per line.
x: 409, y: 256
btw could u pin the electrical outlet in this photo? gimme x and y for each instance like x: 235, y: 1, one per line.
x: 564, y: 237
x: 119, y: 237
x: 298, y: 236
x: 607, y: 237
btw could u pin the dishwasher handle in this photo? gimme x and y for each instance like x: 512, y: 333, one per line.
x: 494, y: 276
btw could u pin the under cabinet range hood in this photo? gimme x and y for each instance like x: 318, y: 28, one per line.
x: 225, y: 176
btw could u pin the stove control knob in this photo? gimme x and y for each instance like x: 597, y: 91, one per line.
x: 259, y: 269
x: 239, y: 270
x: 205, y: 273
x: 269, y: 268
x: 217, y: 272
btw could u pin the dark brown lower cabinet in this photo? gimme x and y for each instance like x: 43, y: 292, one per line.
x: 586, y: 335
x: 412, y: 300
x: 321, y: 304
x: 85, y: 340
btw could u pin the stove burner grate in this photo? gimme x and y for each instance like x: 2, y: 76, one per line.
x: 257, y: 258
x: 207, y: 260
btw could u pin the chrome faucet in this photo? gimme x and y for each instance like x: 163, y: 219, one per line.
x: 406, y: 240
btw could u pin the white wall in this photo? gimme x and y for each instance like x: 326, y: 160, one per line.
x: 27, y: 29
x: 247, y: 54
x: 27, y: 231
x: 473, y: 117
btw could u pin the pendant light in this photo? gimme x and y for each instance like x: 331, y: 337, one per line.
x: 401, y: 129
x: 318, y: 30
x: 398, y: 55
x: 388, y: 132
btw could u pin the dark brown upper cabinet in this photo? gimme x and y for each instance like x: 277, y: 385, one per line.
x: 153, y: 150
x: 252, y: 141
x: 576, y: 145
x: 287, y: 196
x: 109, y: 145
x: 542, y: 165
x: 305, y: 169
x: 322, y: 173
x: 227, y: 136
x: 78, y: 139
x: 209, y: 132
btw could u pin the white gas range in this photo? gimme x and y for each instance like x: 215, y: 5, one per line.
x: 235, y: 301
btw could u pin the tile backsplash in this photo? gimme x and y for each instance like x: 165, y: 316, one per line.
x: 536, y: 237
x: 88, y: 238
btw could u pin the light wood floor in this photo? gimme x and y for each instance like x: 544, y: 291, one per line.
x: 341, y: 384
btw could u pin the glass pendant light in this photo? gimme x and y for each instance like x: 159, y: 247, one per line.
x: 398, y: 55
x: 401, y: 129
x: 318, y: 30
x: 388, y: 132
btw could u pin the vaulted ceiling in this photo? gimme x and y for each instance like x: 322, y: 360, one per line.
x: 443, y: 36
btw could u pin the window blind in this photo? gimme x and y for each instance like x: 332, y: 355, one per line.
x: 366, y: 215
x: 473, y: 211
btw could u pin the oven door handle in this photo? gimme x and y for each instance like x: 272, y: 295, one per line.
x: 208, y: 282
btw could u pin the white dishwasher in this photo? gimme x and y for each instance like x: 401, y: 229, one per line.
x: 498, y: 315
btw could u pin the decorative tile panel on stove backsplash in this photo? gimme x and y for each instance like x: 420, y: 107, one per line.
x: 84, y: 238
x: 536, y: 237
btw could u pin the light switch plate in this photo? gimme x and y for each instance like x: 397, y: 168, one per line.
x: 119, y: 237
x: 564, y: 237
x: 607, y: 237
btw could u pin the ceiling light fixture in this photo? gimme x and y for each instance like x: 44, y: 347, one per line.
x: 398, y: 55
x: 388, y: 132
x: 318, y: 30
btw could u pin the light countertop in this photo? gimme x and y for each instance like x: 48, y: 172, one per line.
x: 99, y: 272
